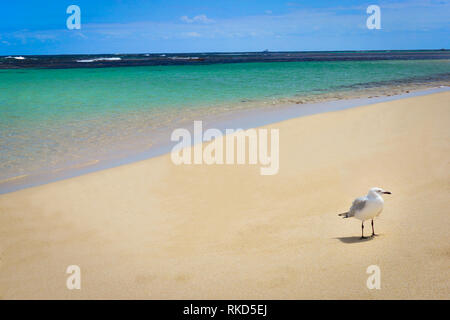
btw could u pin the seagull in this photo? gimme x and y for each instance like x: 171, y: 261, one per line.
x: 367, y: 207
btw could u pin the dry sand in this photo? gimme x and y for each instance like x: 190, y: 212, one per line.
x: 155, y: 230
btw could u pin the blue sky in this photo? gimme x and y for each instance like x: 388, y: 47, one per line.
x: 137, y: 26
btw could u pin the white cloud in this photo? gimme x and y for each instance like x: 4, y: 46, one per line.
x: 191, y: 34
x: 201, y: 18
x: 186, y: 19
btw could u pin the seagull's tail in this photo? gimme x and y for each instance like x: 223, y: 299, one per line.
x: 343, y: 215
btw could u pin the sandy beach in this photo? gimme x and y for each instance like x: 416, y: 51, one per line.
x: 153, y: 230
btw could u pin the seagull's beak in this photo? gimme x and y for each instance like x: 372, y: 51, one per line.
x: 386, y: 192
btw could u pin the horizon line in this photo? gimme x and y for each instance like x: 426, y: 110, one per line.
x: 218, y: 52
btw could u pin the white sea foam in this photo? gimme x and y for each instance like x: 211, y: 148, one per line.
x: 17, y: 58
x: 100, y: 59
x: 184, y: 58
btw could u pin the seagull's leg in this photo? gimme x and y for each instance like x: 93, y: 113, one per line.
x: 373, y: 231
x: 362, y: 230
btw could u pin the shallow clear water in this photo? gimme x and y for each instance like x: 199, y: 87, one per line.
x: 56, y: 118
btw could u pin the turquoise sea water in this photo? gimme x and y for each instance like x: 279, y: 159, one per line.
x: 51, y: 119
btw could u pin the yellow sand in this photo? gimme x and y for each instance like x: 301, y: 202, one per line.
x: 155, y: 230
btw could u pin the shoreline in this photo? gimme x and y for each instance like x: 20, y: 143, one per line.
x: 244, y: 119
x: 154, y: 230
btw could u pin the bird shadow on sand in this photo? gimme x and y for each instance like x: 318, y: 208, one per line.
x: 356, y: 239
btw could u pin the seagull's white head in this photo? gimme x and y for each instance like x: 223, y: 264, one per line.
x: 378, y: 191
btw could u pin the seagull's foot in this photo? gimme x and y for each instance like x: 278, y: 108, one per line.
x: 362, y: 238
x: 374, y: 235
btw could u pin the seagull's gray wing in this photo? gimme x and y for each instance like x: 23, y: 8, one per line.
x: 357, y: 205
